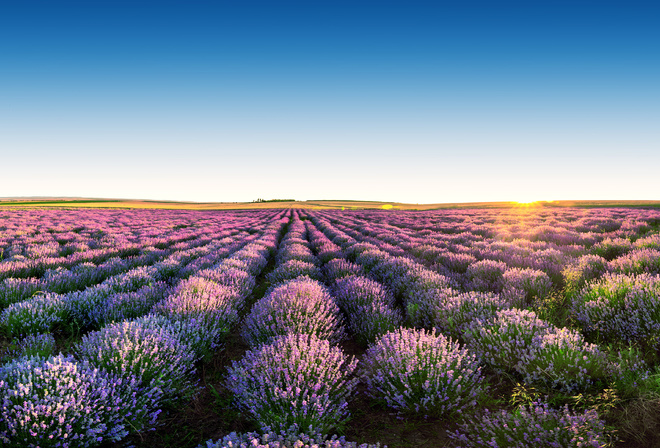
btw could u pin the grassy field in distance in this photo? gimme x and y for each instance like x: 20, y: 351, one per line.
x: 310, y: 204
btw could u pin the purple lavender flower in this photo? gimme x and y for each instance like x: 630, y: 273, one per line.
x: 296, y: 251
x: 212, y: 306
x: 40, y: 314
x: 300, y: 306
x: 487, y: 275
x: 638, y: 261
x: 338, y: 268
x: 584, y: 269
x: 293, y: 269
x: 146, y: 348
x: 518, y: 342
x: 536, y: 425
x: 611, y: 248
x: 369, y: 306
x: 648, y: 242
x: 127, y: 305
x: 506, y: 341
x: 42, y: 345
x: 14, y: 290
x: 298, y: 379
x: 254, y: 260
x: 242, y: 281
x: 523, y: 286
x: 453, y: 314
x: 59, y: 402
x: 355, y: 291
x: 291, y: 438
x: 328, y: 251
x: 620, y: 307
x: 417, y: 372
x: 366, y: 255
x: 562, y: 360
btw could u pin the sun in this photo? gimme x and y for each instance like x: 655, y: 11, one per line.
x: 528, y: 203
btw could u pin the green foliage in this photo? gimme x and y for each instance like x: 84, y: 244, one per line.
x: 523, y: 395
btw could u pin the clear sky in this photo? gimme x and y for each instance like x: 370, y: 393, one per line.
x: 396, y: 101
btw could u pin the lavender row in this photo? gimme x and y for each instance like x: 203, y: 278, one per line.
x: 306, y: 385
x: 506, y: 338
x: 62, y: 280
x: 411, y: 282
x: 524, y: 281
x: 296, y: 301
x: 99, y: 239
x: 451, y: 255
x: 112, y: 299
x: 369, y: 307
x: 152, y: 357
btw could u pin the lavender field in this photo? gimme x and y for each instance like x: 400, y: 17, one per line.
x: 510, y: 327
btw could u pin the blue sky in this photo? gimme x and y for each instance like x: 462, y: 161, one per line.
x: 397, y: 101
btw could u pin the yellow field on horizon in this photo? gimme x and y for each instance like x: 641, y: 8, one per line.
x: 314, y: 204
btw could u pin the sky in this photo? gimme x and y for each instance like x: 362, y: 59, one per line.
x: 419, y: 102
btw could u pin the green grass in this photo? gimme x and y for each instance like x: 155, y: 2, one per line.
x: 64, y: 202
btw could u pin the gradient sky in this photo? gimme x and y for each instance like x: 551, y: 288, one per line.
x: 396, y: 101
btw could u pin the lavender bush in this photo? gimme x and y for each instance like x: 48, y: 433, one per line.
x: 518, y: 341
x: 59, y: 402
x: 202, y: 307
x: 192, y: 333
x: 369, y: 306
x: 353, y: 292
x: 419, y: 280
x: 291, y: 438
x: 127, y: 305
x: 252, y: 258
x: 14, y: 290
x: 302, y: 306
x: 487, y: 275
x: 242, y: 281
x: 233, y: 263
x: 611, y: 248
x: 648, y: 242
x: 296, y: 251
x: 417, y: 372
x: 506, y: 341
x: 638, y: 261
x: 40, y: 314
x: 406, y: 277
x: 293, y: 269
x: 620, y: 307
x: 421, y: 309
x: 205, y: 300
x: 146, y: 348
x: 456, y: 262
x: 586, y: 268
x: 537, y: 425
x: 367, y: 256
x: 562, y: 360
x: 298, y: 379
x: 329, y: 251
x: 42, y: 345
x: 339, y: 268
x: 523, y: 286
x: 456, y: 313
x: 83, y: 306
x: 354, y: 249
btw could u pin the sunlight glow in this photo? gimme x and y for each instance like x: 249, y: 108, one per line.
x: 530, y: 203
